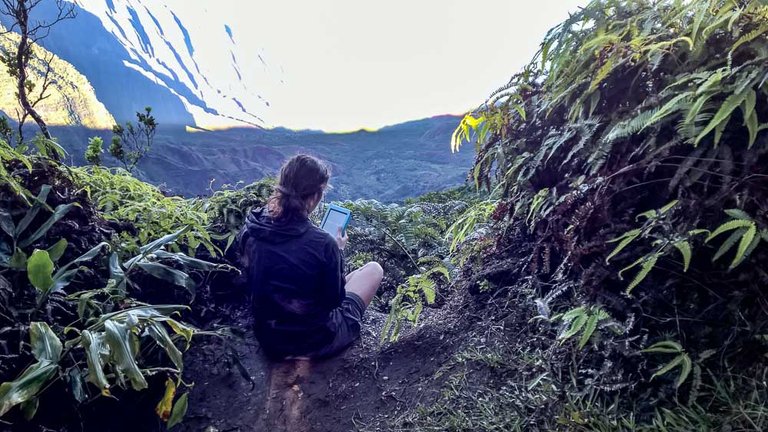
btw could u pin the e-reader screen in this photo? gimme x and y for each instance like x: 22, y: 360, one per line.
x: 333, y: 221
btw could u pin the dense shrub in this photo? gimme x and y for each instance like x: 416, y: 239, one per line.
x: 629, y: 164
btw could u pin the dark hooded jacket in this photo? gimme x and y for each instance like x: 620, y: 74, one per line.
x: 296, y: 276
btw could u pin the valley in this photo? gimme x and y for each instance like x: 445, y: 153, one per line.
x: 389, y: 165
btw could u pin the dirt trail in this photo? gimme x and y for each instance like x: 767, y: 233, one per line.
x: 359, y: 389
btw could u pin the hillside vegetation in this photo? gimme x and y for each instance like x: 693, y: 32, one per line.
x: 71, y: 101
x: 628, y: 161
x: 609, y: 274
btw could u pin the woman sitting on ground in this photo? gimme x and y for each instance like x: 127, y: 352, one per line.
x: 304, y: 304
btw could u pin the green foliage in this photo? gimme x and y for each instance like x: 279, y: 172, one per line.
x: 94, y: 150
x: 11, y: 179
x: 125, y: 199
x: 467, y: 222
x: 614, y: 154
x: 681, y: 360
x: 745, y: 232
x: 411, y: 296
x: 228, y: 208
x: 130, y: 143
x: 582, y: 319
x: 12, y: 255
x: 105, y: 338
x: 101, y: 336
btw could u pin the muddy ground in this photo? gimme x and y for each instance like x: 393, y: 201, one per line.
x: 364, y: 388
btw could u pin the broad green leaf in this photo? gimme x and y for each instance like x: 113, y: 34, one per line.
x: 76, y: 384
x: 190, y: 262
x: 59, y: 213
x: 168, y: 274
x: 26, y: 386
x: 29, y: 408
x: 39, y: 271
x: 182, y: 329
x: 162, y: 241
x: 32, y: 212
x: 118, y: 337
x: 179, y: 411
x: 18, y: 259
x: 45, y: 344
x: 161, y: 336
x: 57, y: 250
x: 6, y: 223
x: 95, y: 352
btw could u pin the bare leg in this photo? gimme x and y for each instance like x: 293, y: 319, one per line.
x: 365, y: 281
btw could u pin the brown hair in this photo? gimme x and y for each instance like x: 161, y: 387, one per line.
x: 301, y: 178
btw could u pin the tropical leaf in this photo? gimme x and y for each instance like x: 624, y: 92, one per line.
x: 40, y: 271
x: 59, y: 213
x: 179, y: 411
x: 27, y: 385
x: 46, y: 346
x: 119, y: 339
x: 728, y: 226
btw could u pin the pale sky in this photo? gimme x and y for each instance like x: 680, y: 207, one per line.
x: 343, y: 65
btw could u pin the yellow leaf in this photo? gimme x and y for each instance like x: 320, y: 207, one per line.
x: 163, y: 408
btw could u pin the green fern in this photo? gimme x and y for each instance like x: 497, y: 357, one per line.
x: 582, y: 320
x: 682, y: 360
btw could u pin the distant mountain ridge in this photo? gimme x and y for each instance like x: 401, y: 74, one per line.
x: 118, y: 56
x: 388, y: 165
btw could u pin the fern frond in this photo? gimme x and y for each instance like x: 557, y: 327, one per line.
x: 630, y: 127
x: 723, y: 114
x: 685, y: 250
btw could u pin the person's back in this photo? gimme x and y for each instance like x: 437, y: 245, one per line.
x: 303, y: 303
x: 297, y: 281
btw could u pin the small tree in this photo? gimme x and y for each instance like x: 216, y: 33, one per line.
x: 130, y: 143
x: 94, y: 150
x: 18, y: 61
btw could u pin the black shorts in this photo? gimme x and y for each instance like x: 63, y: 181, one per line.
x: 346, y: 322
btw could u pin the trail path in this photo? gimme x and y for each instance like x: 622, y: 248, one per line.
x: 360, y: 389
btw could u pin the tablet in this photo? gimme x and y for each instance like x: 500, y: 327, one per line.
x: 335, y: 217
